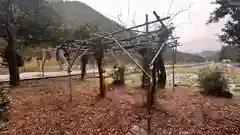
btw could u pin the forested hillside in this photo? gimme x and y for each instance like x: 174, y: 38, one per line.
x: 77, y: 13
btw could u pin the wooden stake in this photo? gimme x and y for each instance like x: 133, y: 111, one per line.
x: 70, y: 84
x: 173, y: 69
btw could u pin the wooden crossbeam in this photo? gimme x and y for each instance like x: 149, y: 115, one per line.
x: 109, y: 41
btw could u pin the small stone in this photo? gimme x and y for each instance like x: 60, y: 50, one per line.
x: 143, y: 132
x: 136, y: 130
x: 185, y: 133
x: 129, y: 133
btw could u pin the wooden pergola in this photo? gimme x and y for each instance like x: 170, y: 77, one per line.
x: 101, y: 44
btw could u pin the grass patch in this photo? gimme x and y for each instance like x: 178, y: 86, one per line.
x: 32, y: 66
x: 130, y: 79
x: 51, y: 63
x: 236, y: 78
x: 237, y: 81
x: 108, y: 80
x: 237, y: 85
x: 237, y: 89
x: 188, y: 70
x: 133, y: 79
x: 188, y: 82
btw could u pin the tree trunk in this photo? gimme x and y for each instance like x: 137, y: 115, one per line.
x: 99, y: 55
x: 11, y: 56
x: 84, y: 64
x: 83, y: 72
x: 153, y: 86
x: 145, y: 79
x: 152, y: 92
x: 161, y: 70
x: 101, y: 78
x: 121, y: 73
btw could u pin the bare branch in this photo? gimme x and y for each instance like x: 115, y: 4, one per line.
x: 119, y: 20
x: 133, y: 20
x: 128, y: 11
x: 170, y: 6
x: 182, y: 10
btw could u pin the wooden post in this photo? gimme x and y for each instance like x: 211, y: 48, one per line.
x: 84, y: 61
x: 151, y: 96
x: 42, y: 64
x: 45, y: 54
x: 99, y: 57
x: 173, y: 68
x: 147, y: 66
x: 149, y: 91
x: 121, y: 73
x: 70, y: 84
x: 94, y: 71
x: 101, y: 78
x: 145, y: 78
x: 153, y: 86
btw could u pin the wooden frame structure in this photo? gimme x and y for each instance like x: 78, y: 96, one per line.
x: 101, y: 44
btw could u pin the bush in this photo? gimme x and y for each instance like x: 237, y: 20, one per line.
x: 4, y: 106
x: 213, y: 81
x: 4, y: 63
x: 118, y: 75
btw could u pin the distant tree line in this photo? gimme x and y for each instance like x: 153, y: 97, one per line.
x: 228, y: 52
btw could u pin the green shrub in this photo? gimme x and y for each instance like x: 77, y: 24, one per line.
x: 4, y: 63
x: 4, y: 106
x: 118, y: 75
x: 212, y: 80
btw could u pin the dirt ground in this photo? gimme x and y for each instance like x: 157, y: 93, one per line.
x: 42, y: 108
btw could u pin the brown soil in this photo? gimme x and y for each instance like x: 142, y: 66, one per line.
x: 42, y: 108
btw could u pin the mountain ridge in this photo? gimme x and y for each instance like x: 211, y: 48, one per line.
x: 207, y: 53
x: 76, y: 13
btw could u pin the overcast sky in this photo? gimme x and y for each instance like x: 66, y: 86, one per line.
x: 194, y: 34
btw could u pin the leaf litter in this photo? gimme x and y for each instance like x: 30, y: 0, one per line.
x: 45, y: 110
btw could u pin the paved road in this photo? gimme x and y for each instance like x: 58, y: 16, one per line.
x: 35, y: 75
x: 232, y: 65
x: 195, y: 65
x: 202, y: 65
